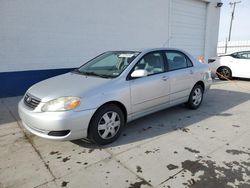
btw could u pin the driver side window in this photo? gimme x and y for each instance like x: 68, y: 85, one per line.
x: 153, y: 63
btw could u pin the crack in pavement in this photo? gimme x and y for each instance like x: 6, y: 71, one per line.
x: 202, y: 157
x: 124, y: 166
x: 32, y: 144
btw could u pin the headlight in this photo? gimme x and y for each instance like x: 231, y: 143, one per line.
x: 61, y: 104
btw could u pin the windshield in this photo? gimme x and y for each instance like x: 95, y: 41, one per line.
x: 108, y: 65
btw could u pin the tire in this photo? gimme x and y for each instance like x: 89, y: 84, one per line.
x: 106, y: 124
x: 195, y: 97
x: 224, y: 73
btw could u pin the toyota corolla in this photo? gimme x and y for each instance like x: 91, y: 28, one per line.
x: 96, y: 100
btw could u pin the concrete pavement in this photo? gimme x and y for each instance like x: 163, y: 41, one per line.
x: 176, y: 147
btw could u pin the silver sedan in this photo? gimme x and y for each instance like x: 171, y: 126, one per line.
x: 96, y: 100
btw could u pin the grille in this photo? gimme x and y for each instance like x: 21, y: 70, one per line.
x: 31, y: 102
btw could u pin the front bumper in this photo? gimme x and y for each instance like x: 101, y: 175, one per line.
x: 42, y: 123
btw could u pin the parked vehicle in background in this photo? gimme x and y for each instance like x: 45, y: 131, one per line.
x: 227, y: 66
x: 96, y: 100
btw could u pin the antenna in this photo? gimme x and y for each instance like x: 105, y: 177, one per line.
x: 167, y: 42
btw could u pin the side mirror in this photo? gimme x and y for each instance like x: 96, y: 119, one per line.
x: 139, y: 73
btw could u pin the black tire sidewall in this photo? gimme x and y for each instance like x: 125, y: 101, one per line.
x: 93, y: 126
x: 190, y: 103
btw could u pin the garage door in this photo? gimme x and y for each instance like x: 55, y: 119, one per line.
x: 188, y: 25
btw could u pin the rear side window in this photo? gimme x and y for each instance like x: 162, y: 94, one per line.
x: 189, y: 63
x: 244, y: 55
x: 177, y: 60
x: 241, y: 55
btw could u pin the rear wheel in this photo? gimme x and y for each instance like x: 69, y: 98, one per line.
x: 106, y: 125
x: 195, y: 97
x: 224, y: 73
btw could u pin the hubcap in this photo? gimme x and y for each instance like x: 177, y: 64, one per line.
x: 225, y: 72
x: 109, y: 125
x: 197, y: 96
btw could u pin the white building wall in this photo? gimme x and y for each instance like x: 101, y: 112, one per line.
x: 188, y: 26
x: 56, y: 34
x: 212, y: 29
x: 52, y: 34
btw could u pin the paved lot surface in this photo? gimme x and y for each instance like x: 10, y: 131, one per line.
x: 177, y: 147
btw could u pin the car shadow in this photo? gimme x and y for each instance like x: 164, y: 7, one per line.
x: 216, y: 79
x: 241, y: 79
x: 216, y: 102
x: 8, y: 110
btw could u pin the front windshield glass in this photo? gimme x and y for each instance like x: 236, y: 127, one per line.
x: 108, y: 65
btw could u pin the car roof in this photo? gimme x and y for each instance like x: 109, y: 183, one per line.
x: 226, y: 54
x: 146, y: 50
x: 158, y: 49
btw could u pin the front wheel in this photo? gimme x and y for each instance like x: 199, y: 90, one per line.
x: 106, y: 125
x: 195, y: 97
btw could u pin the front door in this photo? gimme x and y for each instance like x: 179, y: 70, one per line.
x: 152, y: 90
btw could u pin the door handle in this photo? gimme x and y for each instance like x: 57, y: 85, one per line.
x: 191, y: 72
x: 164, y: 78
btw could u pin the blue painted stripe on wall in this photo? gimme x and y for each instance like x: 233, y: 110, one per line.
x: 16, y: 83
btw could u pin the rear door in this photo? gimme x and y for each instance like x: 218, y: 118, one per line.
x: 181, y: 76
x: 152, y: 90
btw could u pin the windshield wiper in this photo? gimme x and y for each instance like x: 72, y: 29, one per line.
x: 95, y: 74
x: 76, y: 71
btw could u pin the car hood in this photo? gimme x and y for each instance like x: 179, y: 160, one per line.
x: 69, y: 84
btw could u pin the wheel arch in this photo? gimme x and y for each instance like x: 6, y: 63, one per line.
x: 201, y: 83
x: 118, y: 104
